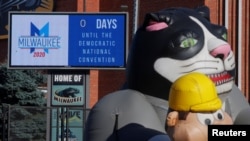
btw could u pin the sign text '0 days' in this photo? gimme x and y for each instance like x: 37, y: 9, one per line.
x: 102, y: 23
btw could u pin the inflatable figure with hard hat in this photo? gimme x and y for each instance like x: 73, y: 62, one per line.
x: 189, y: 118
x: 169, y: 44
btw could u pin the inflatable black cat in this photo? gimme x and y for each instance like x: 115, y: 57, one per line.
x: 170, y: 44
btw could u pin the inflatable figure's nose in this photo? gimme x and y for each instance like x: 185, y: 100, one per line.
x: 221, y: 51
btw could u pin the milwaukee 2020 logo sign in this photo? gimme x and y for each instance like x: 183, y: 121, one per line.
x: 39, y: 42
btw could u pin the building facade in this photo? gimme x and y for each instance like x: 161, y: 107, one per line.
x: 232, y: 14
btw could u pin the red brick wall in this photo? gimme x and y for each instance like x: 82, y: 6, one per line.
x: 245, y: 57
x: 92, y: 5
x: 216, y: 10
x: 65, y: 5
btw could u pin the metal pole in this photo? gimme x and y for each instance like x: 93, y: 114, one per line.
x: 57, y: 123
x: 135, y: 16
x: 5, y: 121
x: 67, y: 123
x: 239, y: 47
x: 62, y: 124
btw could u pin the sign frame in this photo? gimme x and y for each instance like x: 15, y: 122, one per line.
x: 68, y: 90
x: 99, y: 53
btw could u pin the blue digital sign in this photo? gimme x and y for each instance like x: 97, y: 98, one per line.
x: 68, y: 40
x: 97, y: 40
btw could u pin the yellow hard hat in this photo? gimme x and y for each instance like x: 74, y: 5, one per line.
x: 194, y: 92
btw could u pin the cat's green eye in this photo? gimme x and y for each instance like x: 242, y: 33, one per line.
x: 189, y: 42
x: 224, y: 36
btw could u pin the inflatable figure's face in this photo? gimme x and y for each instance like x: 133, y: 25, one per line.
x: 194, y: 126
x: 177, y: 41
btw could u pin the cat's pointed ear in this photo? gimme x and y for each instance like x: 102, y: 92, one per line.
x: 204, y: 12
x: 155, y: 21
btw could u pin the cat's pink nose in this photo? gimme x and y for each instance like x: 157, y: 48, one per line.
x: 221, y: 51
